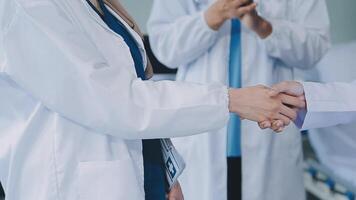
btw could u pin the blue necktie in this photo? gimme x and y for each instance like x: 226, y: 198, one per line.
x: 234, y: 126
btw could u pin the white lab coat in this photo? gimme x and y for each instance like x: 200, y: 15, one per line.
x: 72, y: 111
x: 336, y: 146
x: 180, y: 37
x: 328, y: 104
x: 331, y: 104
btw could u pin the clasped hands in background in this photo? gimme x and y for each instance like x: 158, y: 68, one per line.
x: 272, y: 107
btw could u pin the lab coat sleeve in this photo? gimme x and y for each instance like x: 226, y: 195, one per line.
x: 55, y: 62
x: 302, y: 41
x: 328, y: 105
x: 177, y: 37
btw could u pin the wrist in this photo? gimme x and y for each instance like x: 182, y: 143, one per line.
x: 262, y: 27
x: 234, y: 97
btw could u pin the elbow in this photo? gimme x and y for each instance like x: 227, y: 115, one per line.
x: 322, y: 46
x: 318, y: 53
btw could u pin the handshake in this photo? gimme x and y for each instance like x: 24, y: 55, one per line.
x: 273, y: 108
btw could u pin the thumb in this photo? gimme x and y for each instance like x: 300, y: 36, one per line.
x: 287, y: 87
x: 280, y: 87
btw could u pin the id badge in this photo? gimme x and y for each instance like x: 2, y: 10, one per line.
x: 173, y: 162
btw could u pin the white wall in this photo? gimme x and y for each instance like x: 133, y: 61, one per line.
x: 343, y: 20
x: 342, y: 16
x: 140, y: 10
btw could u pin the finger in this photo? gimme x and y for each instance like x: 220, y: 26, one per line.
x: 245, y: 10
x: 286, y: 121
x: 176, y: 193
x: 302, y: 97
x: 277, y: 126
x: 290, y: 87
x: 289, y: 112
x: 292, y: 101
x: 280, y: 130
x: 273, y: 93
x: 265, y: 124
x: 280, y: 87
x: 240, y: 3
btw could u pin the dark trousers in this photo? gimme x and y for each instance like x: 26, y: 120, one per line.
x: 2, y: 194
x: 155, y: 177
x: 234, y: 178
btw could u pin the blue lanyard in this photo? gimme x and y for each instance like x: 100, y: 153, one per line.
x: 154, y: 172
x: 115, y: 24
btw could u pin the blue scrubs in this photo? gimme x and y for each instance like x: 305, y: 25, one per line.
x: 154, y: 172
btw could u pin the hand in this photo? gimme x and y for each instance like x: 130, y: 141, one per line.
x: 245, y: 10
x: 257, y: 24
x: 262, y: 104
x: 290, y: 88
x: 223, y: 10
x: 175, y: 193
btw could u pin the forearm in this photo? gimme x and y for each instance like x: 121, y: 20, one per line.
x: 296, y: 45
x: 328, y: 104
x: 181, y: 40
x: 301, y: 39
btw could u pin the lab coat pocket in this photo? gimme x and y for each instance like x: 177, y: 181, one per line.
x: 109, y: 180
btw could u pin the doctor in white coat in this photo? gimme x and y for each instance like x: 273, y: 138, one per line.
x: 183, y: 34
x: 73, y: 112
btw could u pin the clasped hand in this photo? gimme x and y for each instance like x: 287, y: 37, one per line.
x: 244, y: 10
x: 273, y: 108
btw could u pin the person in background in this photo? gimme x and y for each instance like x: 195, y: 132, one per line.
x: 240, y: 43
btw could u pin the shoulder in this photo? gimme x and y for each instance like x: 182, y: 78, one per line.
x: 39, y: 6
x: 41, y: 11
x: 39, y: 17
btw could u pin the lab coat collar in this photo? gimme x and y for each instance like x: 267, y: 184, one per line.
x: 120, y: 11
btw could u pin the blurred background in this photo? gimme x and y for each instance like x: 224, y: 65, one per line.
x: 330, y: 167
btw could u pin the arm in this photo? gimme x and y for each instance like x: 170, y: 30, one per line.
x: 303, y: 41
x: 59, y: 66
x: 329, y: 104
x: 326, y: 104
x: 176, y: 36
